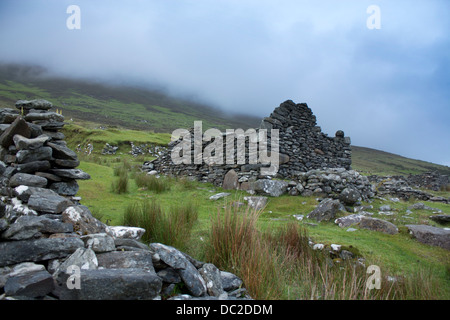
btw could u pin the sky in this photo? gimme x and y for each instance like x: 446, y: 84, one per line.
x: 387, y: 88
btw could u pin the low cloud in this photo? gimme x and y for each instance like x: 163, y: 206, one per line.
x: 387, y: 88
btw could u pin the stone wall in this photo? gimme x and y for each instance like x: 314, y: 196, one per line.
x: 302, y: 147
x: 52, y: 247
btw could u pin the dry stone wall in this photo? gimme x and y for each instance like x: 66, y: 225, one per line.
x: 302, y: 147
x: 52, y: 247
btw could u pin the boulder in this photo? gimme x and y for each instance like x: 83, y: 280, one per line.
x: 256, y: 203
x: 273, y: 188
x: 325, y: 211
x: 230, y: 181
x: 350, y: 196
x: 375, y: 224
x: 441, y: 218
x: 349, y: 220
x: 33, y: 167
x: 431, y: 235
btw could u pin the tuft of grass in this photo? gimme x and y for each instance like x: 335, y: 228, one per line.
x: 152, y: 183
x: 172, y: 227
x: 120, y: 185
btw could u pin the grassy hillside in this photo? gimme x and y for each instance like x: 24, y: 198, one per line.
x: 371, y: 161
x: 93, y: 105
x: 125, y: 106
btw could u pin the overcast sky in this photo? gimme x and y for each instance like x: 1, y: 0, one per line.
x: 387, y: 88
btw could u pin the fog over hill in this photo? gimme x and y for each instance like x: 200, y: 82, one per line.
x: 387, y: 87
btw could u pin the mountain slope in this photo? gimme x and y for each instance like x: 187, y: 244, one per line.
x: 143, y: 109
x: 126, y: 106
x: 371, y: 161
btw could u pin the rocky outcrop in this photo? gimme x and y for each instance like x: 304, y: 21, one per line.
x: 52, y: 247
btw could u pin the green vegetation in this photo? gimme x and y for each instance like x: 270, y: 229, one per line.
x: 119, y: 105
x: 370, y: 161
x: 268, y: 249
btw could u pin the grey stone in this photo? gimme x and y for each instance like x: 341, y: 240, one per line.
x: 27, y: 180
x: 219, y: 196
x: 169, y: 275
x: 256, y: 203
x: 40, y: 154
x: 14, y: 252
x: 48, y: 116
x: 273, y: 188
x: 211, y: 275
x: 62, y: 152
x: 125, y: 232
x: 82, y: 220
x: 33, y: 284
x: 126, y: 259
x: 65, y: 163
x: 23, y: 143
x: 325, y: 211
x: 187, y: 271
x: 114, y: 284
x: 19, y: 126
x: 24, y: 192
x: 49, y: 203
x: 441, y: 218
x: 431, y: 235
x: 350, y: 196
x: 84, y: 258
x: 349, y: 220
x: 230, y: 281
x: 230, y: 181
x: 38, y: 104
x: 77, y: 174
x: 65, y: 188
x: 33, y: 167
x: 28, y: 227
x: 99, y: 242
x: 379, y: 225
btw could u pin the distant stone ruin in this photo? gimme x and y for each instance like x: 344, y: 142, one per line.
x: 302, y: 147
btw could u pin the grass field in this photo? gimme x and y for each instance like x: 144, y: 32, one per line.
x: 399, y: 255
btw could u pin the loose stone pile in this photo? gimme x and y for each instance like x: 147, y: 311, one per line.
x: 51, y: 246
